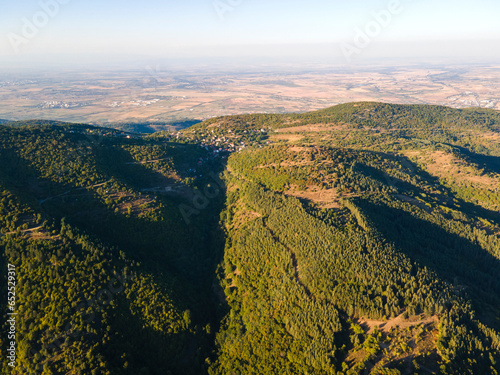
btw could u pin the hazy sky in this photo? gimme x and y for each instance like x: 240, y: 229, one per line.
x: 343, y: 31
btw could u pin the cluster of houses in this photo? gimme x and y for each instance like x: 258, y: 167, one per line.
x: 58, y: 104
x: 220, y: 141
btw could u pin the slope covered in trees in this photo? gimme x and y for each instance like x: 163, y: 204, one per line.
x: 389, y: 250
x: 361, y: 239
x: 386, y: 214
x: 110, y: 278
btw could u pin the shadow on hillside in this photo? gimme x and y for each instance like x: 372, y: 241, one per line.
x: 455, y: 259
x: 411, y: 168
x: 118, y: 162
x: 486, y: 162
x: 162, y: 243
x: 167, y: 353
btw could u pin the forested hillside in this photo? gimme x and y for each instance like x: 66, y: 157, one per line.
x: 110, y: 278
x: 364, y: 238
x: 360, y: 239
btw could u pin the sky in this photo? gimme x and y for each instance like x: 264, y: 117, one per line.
x: 333, y: 31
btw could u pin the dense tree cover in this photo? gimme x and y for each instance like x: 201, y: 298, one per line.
x: 275, y: 324
x: 419, y: 122
x: 14, y: 214
x: 114, y: 281
x: 74, y: 299
x: 359, y: 272
x: 116, y: 239
x: 417, y: 246
x: 240, y: 123
x: 361, y: 275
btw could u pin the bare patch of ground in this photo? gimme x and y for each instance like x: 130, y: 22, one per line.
x: 286, y: 137
x: 397, y: 322
x: 40, y: 235
x: 286, y: 164
x: 491, y: 136
x: 298, y: 149
x: 445, y: 165
x: 135, y: 206
x: 402, y: 344
x: 36, y: 233
x: 325, y: 198
x: 312, y: 128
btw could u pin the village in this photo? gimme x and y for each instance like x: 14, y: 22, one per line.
x: 224, y: 140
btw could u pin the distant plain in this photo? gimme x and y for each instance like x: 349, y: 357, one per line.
x: 163, y: 95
